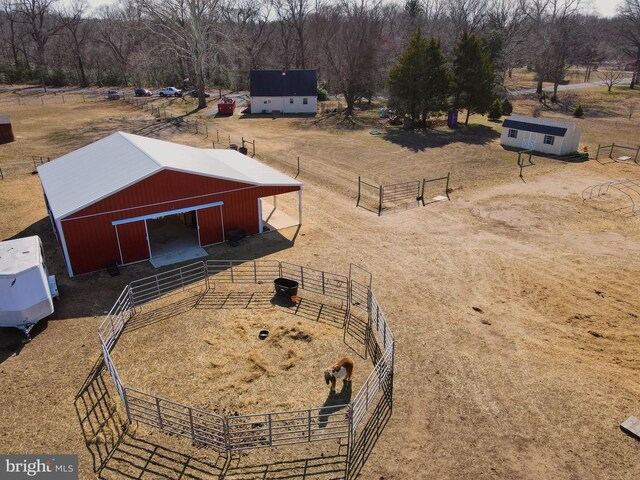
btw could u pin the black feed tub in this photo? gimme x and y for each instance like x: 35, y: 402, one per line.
x: 286, y: 287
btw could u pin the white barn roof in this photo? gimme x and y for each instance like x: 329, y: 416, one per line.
x: 19, y: 255
x: 102, y: 168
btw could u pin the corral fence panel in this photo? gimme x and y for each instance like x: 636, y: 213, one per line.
x: 248, y: 432
x: 115, y: 321
x: 179, y: 279
x: 114, y: 373
x: 240, y: 271
x: 200, y: 426
x: 317, y: 281
x: 369, y: 391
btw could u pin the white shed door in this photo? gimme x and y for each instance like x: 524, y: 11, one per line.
x: 528, y: 140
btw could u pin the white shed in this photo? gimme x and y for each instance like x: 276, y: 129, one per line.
x: 26, y: 290
x: 540, y: 134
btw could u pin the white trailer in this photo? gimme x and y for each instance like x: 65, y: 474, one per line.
x: 26, y: 288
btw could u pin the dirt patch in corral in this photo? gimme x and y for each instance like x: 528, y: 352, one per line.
x: 212, y: 358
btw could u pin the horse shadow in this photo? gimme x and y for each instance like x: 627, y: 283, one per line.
x: 335, y: 402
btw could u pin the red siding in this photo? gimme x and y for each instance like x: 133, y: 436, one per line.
x: 133, y: 241
x: 210, y: 226
x: 90, y: 235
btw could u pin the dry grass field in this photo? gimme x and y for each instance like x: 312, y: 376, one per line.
x: 515, y: 306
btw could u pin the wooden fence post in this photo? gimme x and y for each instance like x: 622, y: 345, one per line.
x: 358, y: 199
x: 598, y: 152
x: 611, y: 152
x: 380, y: 202
x: 446, y: 188
x: 297, y: 173
x: 1, y: 175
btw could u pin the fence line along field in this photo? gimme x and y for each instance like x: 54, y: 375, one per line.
x: 512, y: 304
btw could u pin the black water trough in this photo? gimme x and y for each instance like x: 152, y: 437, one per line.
x: 286, y: 287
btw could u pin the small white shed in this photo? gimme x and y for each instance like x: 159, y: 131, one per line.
x: 540, y: 134
x: 26, y: 289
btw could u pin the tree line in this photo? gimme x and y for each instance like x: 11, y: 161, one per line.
x: 358, y: 47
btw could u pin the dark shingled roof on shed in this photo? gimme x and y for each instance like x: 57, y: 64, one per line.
x: 535, y: 127
x: 272, y: 83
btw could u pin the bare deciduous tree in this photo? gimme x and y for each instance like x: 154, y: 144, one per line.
x: 629, y: 12
x: 72, y: 19
x: 611, y: 77
x: 41, y: 24
x: 188, y: 29
x: 351, y: 45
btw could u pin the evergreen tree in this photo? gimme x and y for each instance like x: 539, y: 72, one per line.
x: 507, y: 107
x: 473, y: 73
x: 405, y: 78
x: 437, y: 82
x: 578, y: 112
x: 495, y: 110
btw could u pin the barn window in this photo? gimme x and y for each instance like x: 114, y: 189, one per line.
x: 513, y: 133
x: 265, y: 101
x: 549, y: 139
x: 291, y: 100
x: 304, y: 101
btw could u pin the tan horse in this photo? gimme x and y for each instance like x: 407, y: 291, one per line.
x: 344, y: 368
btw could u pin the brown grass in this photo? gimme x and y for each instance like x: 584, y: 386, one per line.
x: 523, y: 389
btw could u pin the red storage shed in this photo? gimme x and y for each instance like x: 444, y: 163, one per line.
x: 128, y: 198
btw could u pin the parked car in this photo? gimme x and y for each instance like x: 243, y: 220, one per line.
x: 169, y: 92
x: 194, y: 94
x: 142, y: 92
x: 113, y: 95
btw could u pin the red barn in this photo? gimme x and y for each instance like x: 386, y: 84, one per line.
x: 126, y: 198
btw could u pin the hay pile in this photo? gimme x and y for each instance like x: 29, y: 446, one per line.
x: 214, y: 360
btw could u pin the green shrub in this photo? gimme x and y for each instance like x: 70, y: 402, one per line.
x: 578, y: 112
x: 507, y: 107
x: 495, y: 110
x: 323, y: 95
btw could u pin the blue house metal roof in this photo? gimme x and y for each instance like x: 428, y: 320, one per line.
x: 276, y: 83
x: 534, y: 127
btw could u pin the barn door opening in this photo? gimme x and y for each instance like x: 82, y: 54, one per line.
x: 174, y: 238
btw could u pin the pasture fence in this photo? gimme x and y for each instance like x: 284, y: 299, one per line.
x: 193, y: 126
x: 22, y: 168
x: 53, y: 98
x: 635, y: 151
x: 229, y: 433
